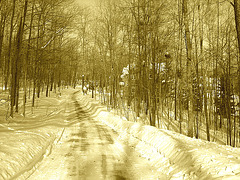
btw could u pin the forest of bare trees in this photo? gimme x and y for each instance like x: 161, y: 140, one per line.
x: 174, y: 63
x: 37, y: 52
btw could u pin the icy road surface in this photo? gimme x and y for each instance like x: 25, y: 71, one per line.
x: 90, y: 149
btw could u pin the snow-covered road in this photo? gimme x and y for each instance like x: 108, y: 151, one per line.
x: 71, y: 136
x: 90, y: 149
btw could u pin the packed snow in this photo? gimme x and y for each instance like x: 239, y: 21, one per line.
x: 177, y: 155
x: 26, y: 141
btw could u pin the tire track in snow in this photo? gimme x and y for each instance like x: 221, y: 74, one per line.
x: 96, y: 138
x: 101, y: 155
x: 179, y: 156
x: 89, y: 149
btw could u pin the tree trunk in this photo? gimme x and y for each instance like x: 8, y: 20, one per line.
x: 189, y: 68
x: 15, y: 71
x: 27, y: 58
x: 206, y: 107
x: 2, y: 29
x: 8, y: 59
x: 237, y: 22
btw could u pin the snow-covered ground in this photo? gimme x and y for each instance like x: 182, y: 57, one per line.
x: 175, y: 154
x: 26, y: 141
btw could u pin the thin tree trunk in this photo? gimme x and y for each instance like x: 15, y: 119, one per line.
x: 15, y: 71
x: 237, y: 22
x: 206, y: 107
x: 152, y: 123
x: 180, y: 70
x: 2, y: 30
x: 229, y: 89
x: 36, y: 63
x: 19, y: 61
x: 189, y: 67
x: 26, y: 62
x: 8, y: 59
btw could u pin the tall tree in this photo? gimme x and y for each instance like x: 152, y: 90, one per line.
x: 189, y: 67
x: 8, y: 59
x: 237, y: 23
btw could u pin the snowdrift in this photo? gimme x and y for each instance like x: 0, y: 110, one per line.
x: 26, y: 141
x: 23, y: 150
x: 174, y: 154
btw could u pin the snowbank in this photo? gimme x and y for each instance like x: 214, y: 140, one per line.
x: 23, y: 150
x: 174, y: 154
x: 26, y: 141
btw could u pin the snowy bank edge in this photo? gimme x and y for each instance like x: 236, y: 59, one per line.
x: 158, y: 140
x: 31, y: 156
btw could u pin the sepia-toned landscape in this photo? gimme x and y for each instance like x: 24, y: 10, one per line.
x: 119, y: 89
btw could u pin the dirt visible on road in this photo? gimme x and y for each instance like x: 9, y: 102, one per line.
x: 89, y: 149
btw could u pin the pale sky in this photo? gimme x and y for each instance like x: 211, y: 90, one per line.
x: 85, y: 2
